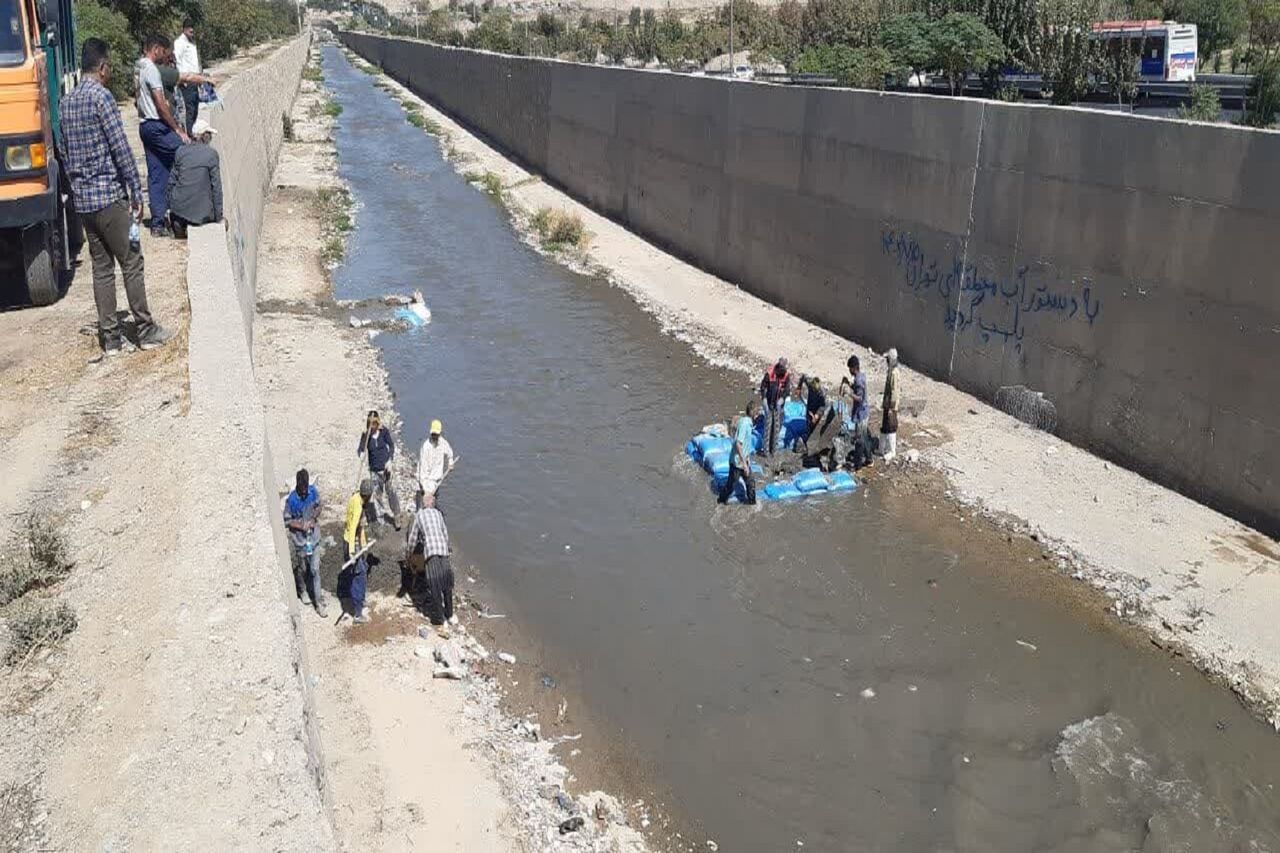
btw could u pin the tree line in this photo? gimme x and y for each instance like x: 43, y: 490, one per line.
x: 222, y: 27
x: 878, y: 43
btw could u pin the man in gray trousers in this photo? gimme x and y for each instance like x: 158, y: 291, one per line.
x: 195, y: 182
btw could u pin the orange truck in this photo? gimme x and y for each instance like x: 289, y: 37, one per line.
x: 38, y: 230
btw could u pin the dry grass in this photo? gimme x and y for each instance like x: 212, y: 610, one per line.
x: 559, y: 229
x: 34, y: 624
x: 39, y: 559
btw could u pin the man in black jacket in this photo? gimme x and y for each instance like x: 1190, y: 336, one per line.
x: 377, y: 443
x: 195, y: 182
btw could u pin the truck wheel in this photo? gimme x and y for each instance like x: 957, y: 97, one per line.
x: 38, y: 257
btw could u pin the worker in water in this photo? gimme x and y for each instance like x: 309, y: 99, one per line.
x: 428, y: 541
x: 354, y: 540
x: 435, y: 462
x: 775, y: 387
x: 740, y: 456
x: 302, y: 520
x: 815, y: 403
x: 889, y: 406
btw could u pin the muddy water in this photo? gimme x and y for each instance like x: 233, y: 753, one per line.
x: 855, y: 673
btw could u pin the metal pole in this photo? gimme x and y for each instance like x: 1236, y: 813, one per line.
x: 416, y: 33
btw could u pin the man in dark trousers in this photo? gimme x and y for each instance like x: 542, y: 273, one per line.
x: 195, y: 182
x: 740, y: 457
x: 429, y: 540
x: 159, y: 131
x: 376, y: 441
x: 775, y: 388
x: 107, y: 193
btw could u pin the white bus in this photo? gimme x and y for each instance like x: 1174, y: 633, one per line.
x: 1168, y: 50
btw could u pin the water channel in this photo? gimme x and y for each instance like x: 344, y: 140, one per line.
x: 731, y: 648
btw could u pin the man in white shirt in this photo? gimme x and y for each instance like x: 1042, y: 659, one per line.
x: 186, y: 57
x: 435, y: 462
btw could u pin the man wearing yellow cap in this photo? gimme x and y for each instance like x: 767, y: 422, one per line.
x: 435, y: 462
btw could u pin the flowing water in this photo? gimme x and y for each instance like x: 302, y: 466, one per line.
x: 849, y: 673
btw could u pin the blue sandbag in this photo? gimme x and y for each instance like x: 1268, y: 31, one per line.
x: 692, y: 450
x: 409, y: 317
x: 843, y: 481
x: 716, y: 462
x: 810, y: 480
x: 707, y: 442
x: 781, y: 490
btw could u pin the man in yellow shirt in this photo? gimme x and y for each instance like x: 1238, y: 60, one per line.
x: 353, y: 540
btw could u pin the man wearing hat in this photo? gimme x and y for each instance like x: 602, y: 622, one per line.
x: 354, y: 539
x: 435, y: 462
x: 195, y: 182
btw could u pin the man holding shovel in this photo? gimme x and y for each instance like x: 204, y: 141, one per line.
x: 354, y: 546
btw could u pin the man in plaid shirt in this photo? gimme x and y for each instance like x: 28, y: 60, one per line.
x: 429, y: 539
x: 107, y: 194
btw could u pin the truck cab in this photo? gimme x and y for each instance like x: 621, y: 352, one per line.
x: 37, y: 46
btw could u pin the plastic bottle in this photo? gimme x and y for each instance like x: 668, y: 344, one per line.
x: 135, y: 237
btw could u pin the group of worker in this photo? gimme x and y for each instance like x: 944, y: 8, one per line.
x: 836, y: 431
x: 426, y: 561
x: 184, y: 180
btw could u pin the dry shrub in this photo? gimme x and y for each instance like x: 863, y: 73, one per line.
x: 39, y: 559
x: 34, y: 624
x: 559, y: 228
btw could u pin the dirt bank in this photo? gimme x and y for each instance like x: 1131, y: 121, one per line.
x: 171, y: 718
x: 412, y: 762
x: 1196, y: 581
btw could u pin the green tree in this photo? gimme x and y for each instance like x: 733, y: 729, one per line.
x: 1264, y: 95
x: 494, y: 33
x: 96, y: 21
x: 837, y: 22
x: 859, y: 67
x: 906, y: 37
x: 789, y: 15
x: 1219, y: 23
x: 1062, y: 50
x: 1264, y: 27
x: 961, y: 43
x: 1204, y: 106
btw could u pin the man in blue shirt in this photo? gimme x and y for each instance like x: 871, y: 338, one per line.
x: 302, y: 520
x: 740, y: 457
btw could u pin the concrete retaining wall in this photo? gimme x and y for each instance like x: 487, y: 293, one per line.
x: 250, y: 131
x: 1119, y: 265
x: 221, y: 282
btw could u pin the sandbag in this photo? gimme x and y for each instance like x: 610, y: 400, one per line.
x: 842, y: 481
x: 810, y: 480
x: 707, y: 442
x: 716, y: 462
x: 781, y: 490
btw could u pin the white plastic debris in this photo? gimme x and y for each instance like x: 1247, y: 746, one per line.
x: 506, y: 657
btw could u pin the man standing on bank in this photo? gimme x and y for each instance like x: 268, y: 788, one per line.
x: 302, y: 520
x: 354, y: 540
x: 376, y: 441
x: 107, y: 194
x: 430, y: 538
x: 435, y: 462
x: 187, y: 57
x: 157, y: 128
